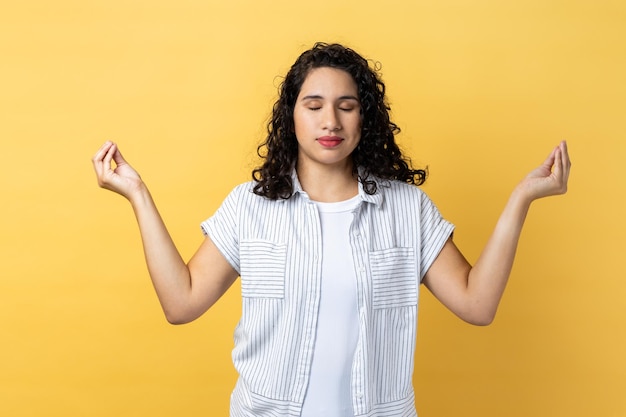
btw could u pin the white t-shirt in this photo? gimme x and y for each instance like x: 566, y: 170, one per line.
x: 276, y: 247
x: 329, y: 391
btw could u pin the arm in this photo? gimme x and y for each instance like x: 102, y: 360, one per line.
x: 185, y: 291
x: 473, y: 293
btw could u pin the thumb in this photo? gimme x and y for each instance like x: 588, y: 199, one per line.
x: 549, y: 162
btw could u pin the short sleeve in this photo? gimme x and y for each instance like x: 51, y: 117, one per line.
x: 434, y: 233
x: 222, y: 228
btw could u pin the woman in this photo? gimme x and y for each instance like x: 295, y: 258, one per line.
x: 331, y: 240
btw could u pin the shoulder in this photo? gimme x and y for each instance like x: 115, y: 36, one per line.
x: 244, y: 190
x: 400, y: 197
x: 243, y: 196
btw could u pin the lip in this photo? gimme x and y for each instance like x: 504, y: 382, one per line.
x: 330, y: 141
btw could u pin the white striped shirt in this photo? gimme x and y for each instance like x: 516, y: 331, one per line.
x: 275, y: 246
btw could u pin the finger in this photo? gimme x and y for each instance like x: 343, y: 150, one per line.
x: 101, y: 152
x: 567, y: 163
x: 103, y: 165
x: 550, y: 160
x: 98, y: 163
x: 108, y: 157
x: 118, y: 158
x: 562, y: 167
x: 558, y: 163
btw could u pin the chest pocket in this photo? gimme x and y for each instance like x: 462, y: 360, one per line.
x: 394, y: 278
x: 263, y: 265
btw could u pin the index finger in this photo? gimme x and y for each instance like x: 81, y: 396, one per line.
x: 102, y: 151
x: 565, y: 159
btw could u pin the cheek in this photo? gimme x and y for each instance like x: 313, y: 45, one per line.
x: 297, y: 121
x: 302, y: 122
x: 358, y: 125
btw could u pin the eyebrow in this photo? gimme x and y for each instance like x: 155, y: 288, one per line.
x: 318, y: 97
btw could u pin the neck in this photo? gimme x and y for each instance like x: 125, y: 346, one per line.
x: 328, y: 184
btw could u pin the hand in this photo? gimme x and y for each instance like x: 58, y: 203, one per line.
x: 123, y: 180
x: 551, y: 177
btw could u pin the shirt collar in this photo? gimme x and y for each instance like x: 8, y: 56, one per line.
x: 376, y: 198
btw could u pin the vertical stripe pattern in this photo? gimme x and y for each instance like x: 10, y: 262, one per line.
x: 276, y: 248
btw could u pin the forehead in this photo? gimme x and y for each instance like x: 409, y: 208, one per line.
x: 326, y: 81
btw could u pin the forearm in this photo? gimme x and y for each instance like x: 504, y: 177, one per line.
x: 168, y: 271
x: 488, y: 278
x: 171, y: 276
x: 473, y: 293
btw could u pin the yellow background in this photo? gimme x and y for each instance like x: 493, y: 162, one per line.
x: 482, y: 90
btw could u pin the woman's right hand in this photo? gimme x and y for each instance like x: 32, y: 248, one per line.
x: 185, y: 291
x: 122, y: 179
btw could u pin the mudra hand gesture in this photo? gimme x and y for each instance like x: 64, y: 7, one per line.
x: 122, y: 179
x: 550, y: 178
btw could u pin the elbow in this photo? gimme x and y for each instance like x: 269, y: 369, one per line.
x: 480, y: 312
x: 479, y: 318
x: 175, y: 317
x: 175, y: 320
x: 482, y: 321
x: 183, y: 312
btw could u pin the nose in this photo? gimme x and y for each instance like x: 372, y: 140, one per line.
x: 331, y: 120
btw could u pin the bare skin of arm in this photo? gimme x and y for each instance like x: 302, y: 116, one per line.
x: 185, y: 290
x: 474, y: 292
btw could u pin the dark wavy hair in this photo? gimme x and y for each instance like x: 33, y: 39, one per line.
x: 377, y: 154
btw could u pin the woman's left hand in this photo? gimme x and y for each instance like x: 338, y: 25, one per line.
x: 550, y: 178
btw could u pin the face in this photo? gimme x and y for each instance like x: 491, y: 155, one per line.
x: 327, y: 119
